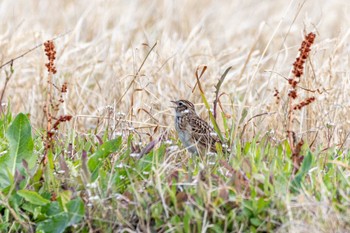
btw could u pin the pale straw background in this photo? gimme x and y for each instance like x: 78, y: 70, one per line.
x: 107, y: 41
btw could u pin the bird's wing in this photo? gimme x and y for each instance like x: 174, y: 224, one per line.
x: 203, y: 134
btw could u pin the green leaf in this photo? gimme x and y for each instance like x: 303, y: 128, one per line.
x: 59, y: 222
x: 262, y: 204
x: 64, y: 197
x: 55, y: 224
x: 305, y: 167
x: 218, y: 86
x: 76, y: 211
x: 19, y: 136
x: 52, y: 209
x: 96, y: 160
x: 217, y: 228
x: 255, y: 221
x: 211, y: 117
x: 221, y: 80
x: 243, y: 116
x: 187, y: 221
x: 33, y: 197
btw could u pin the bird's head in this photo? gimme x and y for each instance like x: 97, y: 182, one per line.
x: 183, y: 107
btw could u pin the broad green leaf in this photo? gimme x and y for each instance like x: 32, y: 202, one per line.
x: 59, y: 222
x: 76, y: 211
x: 6, y: 178
x: 19, y: 136
x: 51, y: 209
x: 96, y: 160
x: 56, y: 224
x: 33, y: 197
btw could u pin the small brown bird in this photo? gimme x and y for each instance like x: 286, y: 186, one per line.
x: 195, y: 134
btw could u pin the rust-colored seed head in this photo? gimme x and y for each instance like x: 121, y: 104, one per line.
x: 305, y: 48
x: 277, y: 95
x: 64, y: 88
x: 51, y: 55
x: 304, y: 103
x: 60, y: 120
x: 293, y: 94
x: 298, y: 70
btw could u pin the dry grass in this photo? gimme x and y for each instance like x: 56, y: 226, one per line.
x: 101, y: 59
x: 108, y: 42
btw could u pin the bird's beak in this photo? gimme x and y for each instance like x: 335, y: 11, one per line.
x: 174, y: 102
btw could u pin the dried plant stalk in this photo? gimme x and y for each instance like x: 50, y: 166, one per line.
x: 298, y: 71
x: 52, y: 104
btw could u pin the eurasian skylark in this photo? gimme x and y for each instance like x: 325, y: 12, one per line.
x: 195, y: 134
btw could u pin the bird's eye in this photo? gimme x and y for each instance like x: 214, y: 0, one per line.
x: 181, y: 104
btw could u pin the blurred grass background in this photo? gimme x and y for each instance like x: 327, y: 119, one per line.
x: 107, y: 41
